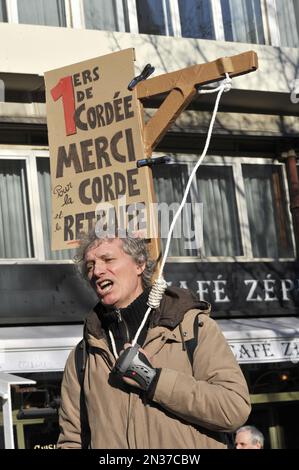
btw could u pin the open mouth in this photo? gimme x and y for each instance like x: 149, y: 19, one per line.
x: 105, y: 286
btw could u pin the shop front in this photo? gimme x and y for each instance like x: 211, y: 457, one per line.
x: 268, y: 351
x: 266, y: 348
x: 255, y: 305
x: 32, y: 360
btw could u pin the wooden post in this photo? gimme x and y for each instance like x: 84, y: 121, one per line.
x: 182, y: 87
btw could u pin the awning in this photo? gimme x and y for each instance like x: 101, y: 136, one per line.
x: 46, y: 348
x: 37, y: 348
x: 259, y: 340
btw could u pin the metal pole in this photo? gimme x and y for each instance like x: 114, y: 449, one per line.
x: 7, y: 415
x: 6, y: 380
x: 290, y: 158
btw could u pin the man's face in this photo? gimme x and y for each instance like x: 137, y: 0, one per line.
x: 113, y: 273
x: 243, y: 441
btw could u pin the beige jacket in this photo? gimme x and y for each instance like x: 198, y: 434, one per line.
x: 190, y: 408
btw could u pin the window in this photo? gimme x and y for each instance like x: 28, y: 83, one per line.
x: 216, y: 190
x: 42, y: 12
x: 287, y: 12
x: 245, y: 207
x: 266, y: 206
x: 25, y: 207
x: 248, y: 21
x: 154, y: 17
x: 169, y: 183
x: 242, y: 21
x: 103, y: 15
x: 44, y: 186
x: 15, y: 228
x: 3, y: 12
x: 196, y: 19
x: 232, y: 20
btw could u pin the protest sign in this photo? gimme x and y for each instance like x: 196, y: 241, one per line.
x: 95, y: 140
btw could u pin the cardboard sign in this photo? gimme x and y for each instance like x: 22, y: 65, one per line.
x: 95, y: 140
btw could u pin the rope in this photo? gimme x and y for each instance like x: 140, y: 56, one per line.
x: 154, y: 299
x: 113, y: 344
x: 157, y: 292
x: 225, y: 85
x: 160, y: 284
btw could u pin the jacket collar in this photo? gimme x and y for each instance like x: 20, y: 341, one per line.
x: 175, y: 303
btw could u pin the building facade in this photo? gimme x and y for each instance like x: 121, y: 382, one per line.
x: 246, y: 264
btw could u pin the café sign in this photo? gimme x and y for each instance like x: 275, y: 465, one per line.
x: 266, y: 350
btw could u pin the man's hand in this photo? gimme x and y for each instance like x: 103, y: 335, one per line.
x: 126, y: 379
x: 134, y: 367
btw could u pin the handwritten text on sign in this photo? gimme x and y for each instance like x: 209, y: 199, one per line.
x: 95, y: 141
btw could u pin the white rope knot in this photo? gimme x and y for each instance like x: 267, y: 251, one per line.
x: 227, y: 83
x: 156, y: 293
x: 224, y: 85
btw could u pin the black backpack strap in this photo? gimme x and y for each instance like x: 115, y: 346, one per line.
x: 191, y: 344
x: 80, y: 363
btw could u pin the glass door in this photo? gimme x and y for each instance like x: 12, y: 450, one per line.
x: 277, y: 421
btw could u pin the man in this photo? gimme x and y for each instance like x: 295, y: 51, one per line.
x: 249, y: 437
x: 161, y: 400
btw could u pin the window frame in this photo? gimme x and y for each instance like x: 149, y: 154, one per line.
x: 75, y: 18
x: 236, y: 164
x: 217, y: 20
x: 173, y: 18
x: 10, y: 155
x: 274, y: 34
x: 13, y: 14
x: 29, y: 156
x: 274, y: 30
x: 78, y: 16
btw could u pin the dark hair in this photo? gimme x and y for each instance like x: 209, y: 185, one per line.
x: 135, y: 247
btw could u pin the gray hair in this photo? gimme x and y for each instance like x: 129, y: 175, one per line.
x: 134, y: 247
x: 256, y: 435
